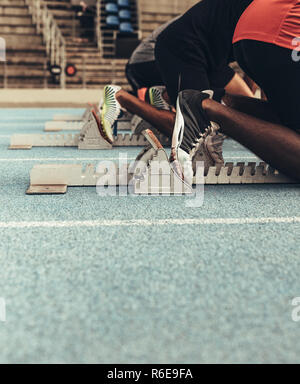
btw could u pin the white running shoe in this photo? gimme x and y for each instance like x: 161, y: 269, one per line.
x: 195, y: 138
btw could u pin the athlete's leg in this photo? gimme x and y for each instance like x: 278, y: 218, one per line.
x: 278, y: 75
x: 237, y: 86
x: 251, y: 106
x: 179, y: 74
x: 226, y: 77
x: 162, y: 120
x: 276, y: 144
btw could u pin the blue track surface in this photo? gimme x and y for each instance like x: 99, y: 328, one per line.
x: 133, y: 279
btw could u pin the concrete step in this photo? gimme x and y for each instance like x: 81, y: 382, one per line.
x: 22, y: 52
x: 32, y: 59
x: 28, y: 42
x: 15, y: 20
x: 58, y: 4
x: 14, y: 11
x: 63, y: 13
x: 17, y: 83
x: 16, y: 29
x: 23, y: 71
x: 67, y: 23
x: 12, y: 3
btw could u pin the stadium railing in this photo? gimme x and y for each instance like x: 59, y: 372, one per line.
x: 52, y: 36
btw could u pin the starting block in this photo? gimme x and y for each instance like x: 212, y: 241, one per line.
x: 151, y: 174
x: 142, y: 175
x: 58, y: 126
x: 89, y: 138
x: 76, y: 122
x: 68, y: 122
x: 66, y: 117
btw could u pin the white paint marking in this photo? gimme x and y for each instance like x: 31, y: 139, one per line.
x: 242, y: 158
x: 68, y: 159
x: 95, y: 159
x: 148, y: 223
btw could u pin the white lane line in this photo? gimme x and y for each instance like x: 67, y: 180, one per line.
x: 97, y: 159
x: 148, y: 223
x: 242, y: 158
x: 69, y: 159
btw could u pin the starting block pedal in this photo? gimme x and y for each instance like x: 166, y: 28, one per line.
x: 58, y: 126
x: 67, y: 123
x: 69, y: 117
x: 88, y: 138
x: 150, y: 174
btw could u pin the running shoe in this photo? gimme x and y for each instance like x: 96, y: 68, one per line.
x: 210, y: 150
x: 191, y: 135
x: 157, y: 100
x: 111, y: 110
x: 100, y: 127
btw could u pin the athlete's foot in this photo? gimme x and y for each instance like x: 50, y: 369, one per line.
x: 157, y: 100
x: 191, y: 135
x: 110, y: 110
x: 100, y: 127
x: 210, y: 152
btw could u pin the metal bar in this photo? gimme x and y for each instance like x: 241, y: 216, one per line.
x: 45, y: 74
x: 52, y: 36
x: 5, y: 81
x: 73, y: 27
x: 98, y: 25
x: 38, y: 16
x: 84, y: 71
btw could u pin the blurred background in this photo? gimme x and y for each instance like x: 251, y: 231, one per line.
x: 67, y: 44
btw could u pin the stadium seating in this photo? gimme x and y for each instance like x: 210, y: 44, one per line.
x: 124, y: 3
x: 124, y: 14
x: 119, y: 16
x: 126, y: 28
x: 111, y: 8
x: 26, y: 64
x: 112, y: 22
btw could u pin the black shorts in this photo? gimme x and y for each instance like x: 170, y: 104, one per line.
x: 179, y: 75
x: 143, y: 75
x: 274, y: 70
x: 194, y: 51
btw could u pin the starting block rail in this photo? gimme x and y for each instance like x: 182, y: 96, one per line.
x: 56, y: 178
x: 150, y: 174
x: 89, y: 138
x: 72, y: 117
x: 58, y: 126
x: 76, y: 122
x: 75, y: 140
x: 66, y: 117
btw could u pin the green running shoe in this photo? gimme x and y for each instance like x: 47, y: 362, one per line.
x: 157, y: 100
x: 110, y: 111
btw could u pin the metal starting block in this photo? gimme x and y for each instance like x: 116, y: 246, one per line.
x: 66, y: 117
x: 57, y: 126
x: 150, y: 174
x: 67, y: 123
x: 89, y: 138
